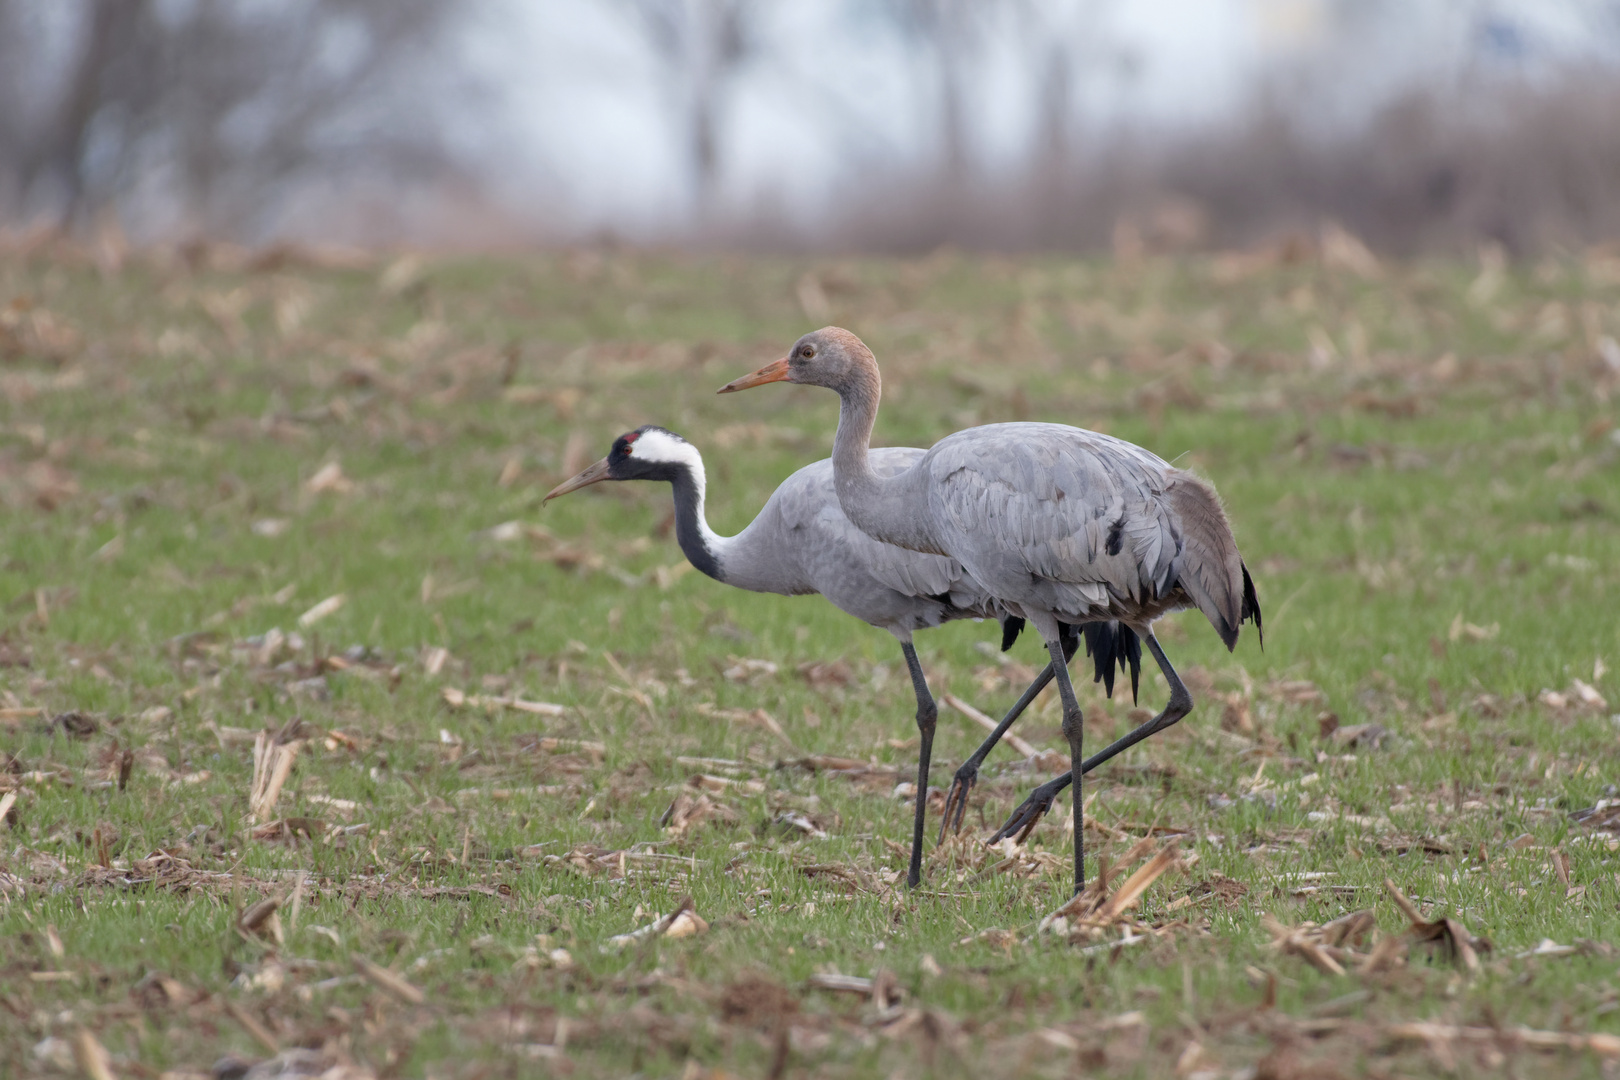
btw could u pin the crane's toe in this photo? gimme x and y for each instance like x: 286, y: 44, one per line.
x: 1023, y: 820
x: 956, y: 800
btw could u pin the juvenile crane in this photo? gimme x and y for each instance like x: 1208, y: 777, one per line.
x: 801, y: 542
x: 1058, y: 524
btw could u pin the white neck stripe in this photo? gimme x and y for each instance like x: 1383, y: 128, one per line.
x: 667, y: 449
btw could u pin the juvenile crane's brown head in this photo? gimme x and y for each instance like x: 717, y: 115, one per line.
x: 830, y: 357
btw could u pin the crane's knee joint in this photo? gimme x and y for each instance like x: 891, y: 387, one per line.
x: 1073, y: 724
x: 927, y: 716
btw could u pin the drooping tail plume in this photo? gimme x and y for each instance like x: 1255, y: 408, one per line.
x: 1209, y: 566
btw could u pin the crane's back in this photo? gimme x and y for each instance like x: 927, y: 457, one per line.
x: 1084, y: 525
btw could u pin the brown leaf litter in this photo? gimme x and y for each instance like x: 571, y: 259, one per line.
x: 887, y: 1014
x: 1579, y: 697
x: 1016, y: 860
x: 262, y: 920
x: 851, y: 879
x: 1368, y: 736
x: 292, y: 830
x: 688, y: 811
x: 1326, y: 947
x: 854, y: 768
x: 748, y: 669
x: 882, y: 989
x: 75, y: 725
x: 757, y: 1002
x: 1229, y: 891
x: 1341, y: 945
x: 1448, y: 938
x: 534, y: 1032
x: 91, y: 1056
x: 823, y: 676
x: 172, y: 873
x: 1604, y: 815
x: 798, y: 824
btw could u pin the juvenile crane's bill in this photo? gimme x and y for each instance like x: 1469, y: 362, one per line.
x: 775, y: 371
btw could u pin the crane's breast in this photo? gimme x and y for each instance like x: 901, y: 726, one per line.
x: 848, y: 566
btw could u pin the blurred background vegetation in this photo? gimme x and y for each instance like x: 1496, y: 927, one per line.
x: 789, y: 124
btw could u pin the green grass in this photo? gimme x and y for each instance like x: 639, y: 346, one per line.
x: 1403, y: 457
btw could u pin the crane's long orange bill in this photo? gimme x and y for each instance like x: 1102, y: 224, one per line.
x: 592, y: 475
x: 775, y: 371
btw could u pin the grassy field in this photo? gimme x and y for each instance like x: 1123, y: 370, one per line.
x: 275, y: 497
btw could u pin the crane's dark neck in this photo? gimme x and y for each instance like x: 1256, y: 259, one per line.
x: 698, y: 542
x: 893, y: 509
x: 759, y: 559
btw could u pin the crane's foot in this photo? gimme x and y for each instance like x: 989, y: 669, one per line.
x: 1029, y: 813
x: 956, y: 800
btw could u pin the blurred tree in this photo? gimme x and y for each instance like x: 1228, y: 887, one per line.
x: 946, y: 30
x: 212, y: 114
x: 700, y: 46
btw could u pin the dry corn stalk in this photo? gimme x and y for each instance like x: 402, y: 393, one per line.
x: 262, y: 921
x: 988, y: 724
x: 1303, y: 941
x: 1332, y: 945
x: 272, y: 764
x: 684, y: 921
x: 91, y: 1056
x: 1095, y: 909
x: 388, y: 981
x: 457, y: 699
x: 261, y: 1034
x: 1601, y: 1043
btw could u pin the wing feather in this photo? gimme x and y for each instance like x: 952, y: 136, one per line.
x: 1069, y: 517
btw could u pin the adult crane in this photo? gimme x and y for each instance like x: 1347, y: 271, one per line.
x: 1058, y: 524
x: 801, y: 542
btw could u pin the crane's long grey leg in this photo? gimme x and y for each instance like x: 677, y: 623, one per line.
x: 1025, y: 818
x: 927, y: 715
x: 1074, y: 732
x: 968, y: 774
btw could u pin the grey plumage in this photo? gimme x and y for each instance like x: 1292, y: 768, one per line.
x: 1083, y: 526
x: 1060, y: 525
x: 801, y: 542
x: 888, y: 587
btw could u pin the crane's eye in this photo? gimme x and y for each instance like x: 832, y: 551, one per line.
x: 808, y: 351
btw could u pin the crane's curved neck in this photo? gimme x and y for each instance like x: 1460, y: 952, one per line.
x: 755, y: 559
x: 703, y: 548
x: 893, y: 509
